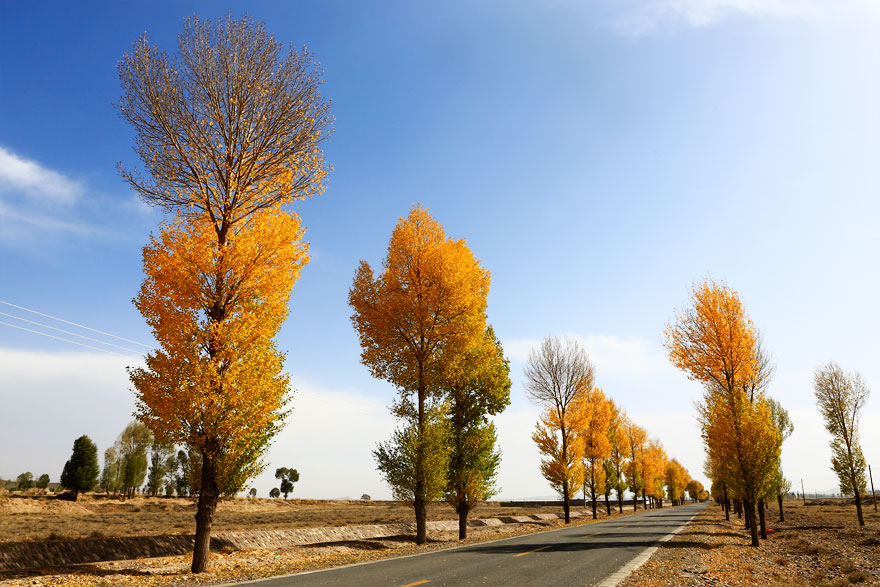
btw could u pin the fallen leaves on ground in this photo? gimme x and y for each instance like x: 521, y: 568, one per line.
x: 819, y: 544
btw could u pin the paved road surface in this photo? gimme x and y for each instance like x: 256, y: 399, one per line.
x: 578, y: 555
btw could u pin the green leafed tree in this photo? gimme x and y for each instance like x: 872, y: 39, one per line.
x: 780, y: 485
x: 80, y: 473
x: 25, y: 481
x: 287, y: 477
x: 131, y: 448
x: 274, y: 493
x: 841, y: 397
x: 111, y: 474
x: 159, y: 454
x: 408, y: 452
x: 43, y: 481
x: 479, y: 387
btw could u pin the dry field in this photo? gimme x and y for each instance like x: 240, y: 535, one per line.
x: 819, y: 544
x: 49, y: 518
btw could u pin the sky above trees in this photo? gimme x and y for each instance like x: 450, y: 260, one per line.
x: 597, y: 157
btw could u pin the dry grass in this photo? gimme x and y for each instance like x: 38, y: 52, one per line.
x: 819, y: 544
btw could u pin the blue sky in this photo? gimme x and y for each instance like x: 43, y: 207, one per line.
x: 598, y: 158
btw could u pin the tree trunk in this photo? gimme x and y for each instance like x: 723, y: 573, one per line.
x: 208, y: 497
x: 608, y: 504
x: 781, y: 512
x: 745, y: 505
x: 619, y: 501
x: 593, y: 498
x: 462, y: 522
x: 420, y: 505
x: 421, y: 520
x: 726, y: 505
x: 565, y: 507
x: 753, y: 526
x: 762, y: 519
x: 859, y: 505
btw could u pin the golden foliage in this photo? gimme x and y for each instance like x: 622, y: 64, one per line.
x: 713, y: 340
x: 424, y: 309
x: 593, y: 417
x: 216, y: 382
x: 556, y: 436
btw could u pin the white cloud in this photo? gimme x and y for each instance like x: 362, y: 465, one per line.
x: 657, y: 15
x: 35, y: 181
x: 39, y: 205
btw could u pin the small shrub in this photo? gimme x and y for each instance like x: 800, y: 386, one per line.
x: 858, y: 576
x: 847, y: 566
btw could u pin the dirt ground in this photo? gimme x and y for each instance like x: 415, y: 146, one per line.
x: 50, y: 518
x: 231, y: 566
x: 819, y: 544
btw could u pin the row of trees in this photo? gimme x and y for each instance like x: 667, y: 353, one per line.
x: 26, y: 481
x: 134, y: 458
x: 714, y: 342
x: 422, y: 326
x: 588, y: 442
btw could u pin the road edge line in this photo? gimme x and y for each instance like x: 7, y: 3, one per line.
x: 626, y: 570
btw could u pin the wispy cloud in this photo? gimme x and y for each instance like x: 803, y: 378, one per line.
x: 35, y: 181
x: 655, y: 16
x: 41, y: 205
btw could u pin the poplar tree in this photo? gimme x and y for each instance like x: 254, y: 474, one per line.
x: 229, y: 131
x: 478, y: 387
x: 715, y: 343
x: 841, y: 397
x: 414, y: 320
x: 557, y: 375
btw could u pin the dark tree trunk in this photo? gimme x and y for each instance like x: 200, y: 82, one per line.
x: 421, y: 520
x: 859, y: 505
x: 745, y: 505
x: 781, y: 511
x: 419, y: 502
x: 608, y: 504
x: 208, y: 497
x: 726, y: 505
x: 619, y: 501
x: 753, y: 526
x: 762, y: 519
x: 566, y: 509
x: 462, y: 521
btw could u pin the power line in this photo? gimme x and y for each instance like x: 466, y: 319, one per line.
x: 70, y: 333
x: 77, y: 325
x: 66, y: 340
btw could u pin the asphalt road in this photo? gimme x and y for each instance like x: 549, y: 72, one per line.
x: 576, y: 555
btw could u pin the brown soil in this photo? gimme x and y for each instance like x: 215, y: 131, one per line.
x: 51, y: 518
x: 819, y: 544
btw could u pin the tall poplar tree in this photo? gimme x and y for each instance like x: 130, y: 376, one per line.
x: 557, y: 376
x: 478, y: 386
x: 415, y: 319
x: 714, y: 342
x: 841, y: 397
x: 229, y: 131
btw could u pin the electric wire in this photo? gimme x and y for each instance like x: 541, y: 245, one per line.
x: 66, y: 340
x: 77, y: 325
x: 70, y: 333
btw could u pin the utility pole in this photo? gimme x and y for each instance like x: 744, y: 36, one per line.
x: 872, y: 487
x: 803, y: 493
